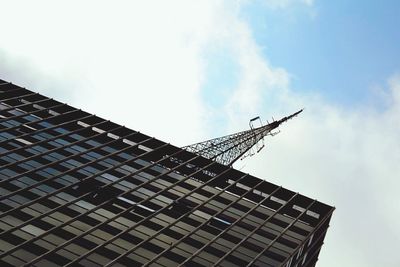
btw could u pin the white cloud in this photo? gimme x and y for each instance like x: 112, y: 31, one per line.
x: 348, y: 158
x: 152, y: 51
x: 287, y: 3
x: 145, y: 56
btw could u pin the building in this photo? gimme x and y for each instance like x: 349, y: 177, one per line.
x: 78, y: 190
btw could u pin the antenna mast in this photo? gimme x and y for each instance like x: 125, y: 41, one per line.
x: 228, y: 149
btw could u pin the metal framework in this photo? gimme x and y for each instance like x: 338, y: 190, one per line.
x: 228, y: 149
x: 77, y: 190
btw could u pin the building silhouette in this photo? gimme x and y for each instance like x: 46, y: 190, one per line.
x: 78, y: 190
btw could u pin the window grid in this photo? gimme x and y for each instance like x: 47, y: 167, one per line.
x: 78, y: 190
x: 51, y: 163
x: 57, y: 191
x: 126, y: 210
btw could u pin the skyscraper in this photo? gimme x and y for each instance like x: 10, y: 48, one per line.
x: 78, y: 190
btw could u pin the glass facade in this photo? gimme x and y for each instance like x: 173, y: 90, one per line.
x: 78, y: 190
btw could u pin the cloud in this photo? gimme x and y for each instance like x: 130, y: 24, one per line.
x: 128, y: 58
x: 135, y: 57
x: 348, y: 158
x: 280, y: 4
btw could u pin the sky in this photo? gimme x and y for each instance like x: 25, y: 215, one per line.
x: 186, y: 71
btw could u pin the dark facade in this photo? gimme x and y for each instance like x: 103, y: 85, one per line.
x: 78, y: 190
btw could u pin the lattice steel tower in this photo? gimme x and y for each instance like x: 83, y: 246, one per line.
x: 228, y: 149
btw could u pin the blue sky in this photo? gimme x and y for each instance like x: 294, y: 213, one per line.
x: 186, y: 71
x: 337, y: 48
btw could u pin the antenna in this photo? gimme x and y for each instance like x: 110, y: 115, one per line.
x: 228, y: 149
